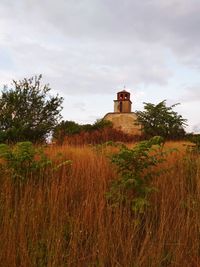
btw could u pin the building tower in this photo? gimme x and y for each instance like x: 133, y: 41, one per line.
x: 123, y: 102
x: 123, y: 118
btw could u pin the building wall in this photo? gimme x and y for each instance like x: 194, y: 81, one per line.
x: 124, y: 122
x: 116, y: 106
x: 126, y: 106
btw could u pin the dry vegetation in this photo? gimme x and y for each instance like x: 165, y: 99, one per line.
x: 96, y: 137
x: 64, y: 219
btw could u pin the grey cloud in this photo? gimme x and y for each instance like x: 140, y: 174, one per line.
x: 191, y: 94
x: 93, y: 46
x: 151, y: 20
x: 84, y: 68
x: 174, y: 24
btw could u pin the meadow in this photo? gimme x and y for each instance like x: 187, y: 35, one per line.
x: 61, y: 216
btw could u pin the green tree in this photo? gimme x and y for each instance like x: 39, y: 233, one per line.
x: 28, y: 111
x: 161, y: 120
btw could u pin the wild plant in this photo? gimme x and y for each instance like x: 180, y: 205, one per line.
x: 195, y: 147
x: 23, y: 161
x: 137, y: 168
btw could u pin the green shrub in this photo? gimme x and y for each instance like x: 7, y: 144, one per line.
x: 135, y: 167
x: 24, y: 161
x: 101, y: 124
x: 67, y: 129
x: 195, y: 139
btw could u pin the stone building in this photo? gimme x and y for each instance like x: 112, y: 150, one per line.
x: 122, y: 117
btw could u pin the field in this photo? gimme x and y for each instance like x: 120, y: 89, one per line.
x: 65, y: 219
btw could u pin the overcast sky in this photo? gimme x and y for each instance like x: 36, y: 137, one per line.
x: 87, y: 50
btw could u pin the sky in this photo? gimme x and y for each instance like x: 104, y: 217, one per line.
x: 88, y: 50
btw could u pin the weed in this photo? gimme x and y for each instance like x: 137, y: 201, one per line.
x: 136, y: 173
x: 24, y: 160
x: 195, y: 147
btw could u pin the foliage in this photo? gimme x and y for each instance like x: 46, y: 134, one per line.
x: 101, y: 124
x: 195, y: 139
x: 28, y: 111
x: 161, y: 120
x: 136, y: 173
x: 71, y: 128
x: 66, y: 128
x: 24, y: 160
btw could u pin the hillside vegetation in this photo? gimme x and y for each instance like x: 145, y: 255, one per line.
x: 58, y: 213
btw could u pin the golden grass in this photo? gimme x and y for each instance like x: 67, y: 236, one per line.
x: 65, y: 220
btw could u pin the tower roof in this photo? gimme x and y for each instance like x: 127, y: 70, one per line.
x: 123, y: 91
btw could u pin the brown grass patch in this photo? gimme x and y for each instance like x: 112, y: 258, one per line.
x: 65, y: 220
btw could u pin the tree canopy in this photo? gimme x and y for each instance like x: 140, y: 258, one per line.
x: 28, y: 111
x: 161, y: 120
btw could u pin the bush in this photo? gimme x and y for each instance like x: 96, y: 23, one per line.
x: 24, y: 161
x: 135, y: 167
x: 101, y: 131
x: 195, y: 139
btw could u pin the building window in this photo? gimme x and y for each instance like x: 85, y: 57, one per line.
x: 121, y: 96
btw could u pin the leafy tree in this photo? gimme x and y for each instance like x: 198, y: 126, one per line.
x: 28, y: 111
x: 161, y: 120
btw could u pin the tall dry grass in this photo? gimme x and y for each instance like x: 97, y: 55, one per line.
x: 65, y: 219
